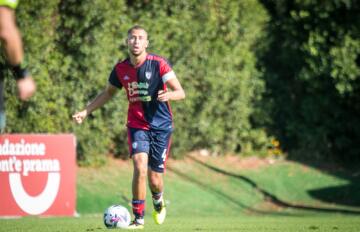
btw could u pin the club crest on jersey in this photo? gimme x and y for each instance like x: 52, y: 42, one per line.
x: 148, y: 75
x: 126, y: 77
x: 134, y: 145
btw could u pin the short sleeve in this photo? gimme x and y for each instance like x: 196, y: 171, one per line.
x: 114, y: 80
x: 166, y: 71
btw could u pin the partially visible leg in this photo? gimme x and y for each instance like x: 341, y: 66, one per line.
x: 139, y: 142
x: 140, y: 161
x: 156, y: 184
x: 157, y: 158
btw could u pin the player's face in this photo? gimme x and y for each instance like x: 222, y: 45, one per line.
x: 137, y: 42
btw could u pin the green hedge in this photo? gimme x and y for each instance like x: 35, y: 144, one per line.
x: 313, y: 78
x: 251, y: 70
x: 72, y: 47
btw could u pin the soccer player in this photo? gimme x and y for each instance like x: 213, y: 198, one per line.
x: 11, y: 40
x: 146, y: 79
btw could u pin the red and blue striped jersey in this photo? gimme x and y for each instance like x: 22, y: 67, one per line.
x: 142, y: 84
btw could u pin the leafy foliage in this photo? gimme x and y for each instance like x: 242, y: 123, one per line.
x: 251, y: 70
x: 312, y: 78
x: 72, y: 46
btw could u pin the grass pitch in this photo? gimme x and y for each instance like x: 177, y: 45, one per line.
x: 194, y: 223
x: 219, y: 194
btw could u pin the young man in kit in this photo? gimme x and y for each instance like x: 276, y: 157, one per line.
x: 12, y: 44
x: 145, y: 78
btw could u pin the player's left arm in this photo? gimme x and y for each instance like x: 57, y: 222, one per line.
x: 176, y: 93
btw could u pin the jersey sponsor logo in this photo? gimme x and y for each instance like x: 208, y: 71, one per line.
x: 140, y: 98
x: 148, y: 75
x: 138, y: 88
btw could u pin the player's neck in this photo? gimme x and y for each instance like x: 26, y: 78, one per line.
x: 138, y: 60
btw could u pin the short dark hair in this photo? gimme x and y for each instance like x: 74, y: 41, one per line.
x: 136, y: 27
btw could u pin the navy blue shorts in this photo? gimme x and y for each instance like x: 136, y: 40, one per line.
x: 155, y: 143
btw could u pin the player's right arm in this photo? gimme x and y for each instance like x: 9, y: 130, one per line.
x: 99, y: 101
x: 11, y: 39
x: 10, y: 36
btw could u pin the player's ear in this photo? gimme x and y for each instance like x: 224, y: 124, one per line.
x: 147, y: 43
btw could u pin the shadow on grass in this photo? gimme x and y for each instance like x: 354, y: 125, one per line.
x: 316, y: 125
x: 269, y: 197
x: 344, y: 195
x: 221, y: 194
x: 347, y: 194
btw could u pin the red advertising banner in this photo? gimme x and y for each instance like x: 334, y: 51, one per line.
x: 37, y: 174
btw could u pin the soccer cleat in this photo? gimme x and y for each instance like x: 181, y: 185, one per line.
x: 134, y: 225
x: 159, y: 212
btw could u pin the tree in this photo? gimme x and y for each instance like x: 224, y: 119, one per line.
x: 312, y: 77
